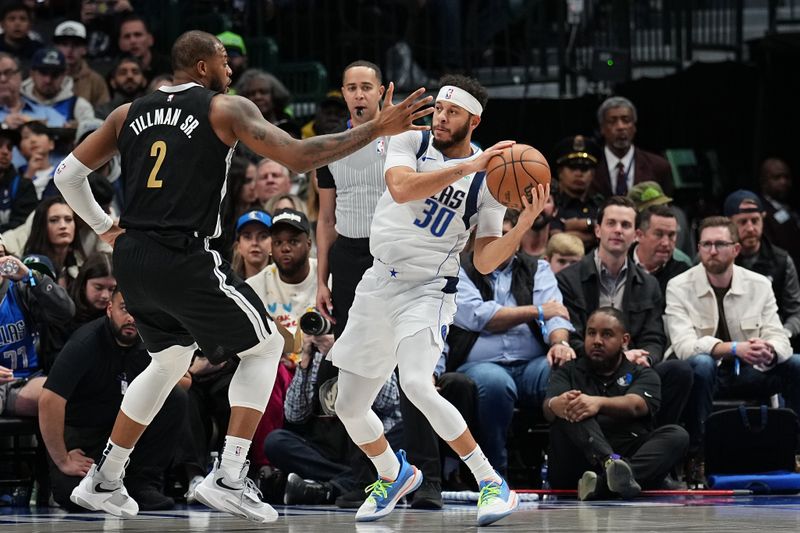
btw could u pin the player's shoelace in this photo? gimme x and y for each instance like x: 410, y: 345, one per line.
x: 378, y: 489
x: 489, y: 492
x: 251, y: 488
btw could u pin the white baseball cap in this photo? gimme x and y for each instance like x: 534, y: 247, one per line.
x: 70, y: 28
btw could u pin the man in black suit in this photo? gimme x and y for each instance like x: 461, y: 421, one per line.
x: 622, y: 165
x: 608, y: 277
x: 782, y: 221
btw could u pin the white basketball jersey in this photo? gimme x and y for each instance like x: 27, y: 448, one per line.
x: 422, y: 239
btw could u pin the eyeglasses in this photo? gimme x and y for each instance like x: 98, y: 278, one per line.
x: 8, y: 73
x: 719, y: 245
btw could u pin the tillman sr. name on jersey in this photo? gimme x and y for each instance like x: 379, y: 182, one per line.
x: 169, y: 116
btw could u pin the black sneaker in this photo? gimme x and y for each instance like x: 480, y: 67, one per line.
x: 272, y: 484
x: 352, y: 499
x: 301, y: 491
x: 150, y: 499
x: 619, y: 478
x: 427, y: 496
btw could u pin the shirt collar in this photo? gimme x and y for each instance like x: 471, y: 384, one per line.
x: 603, y: 271
x: 613, y: 159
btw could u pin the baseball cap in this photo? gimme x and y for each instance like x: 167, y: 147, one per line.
x: 9, y: 133
x: 292, y: 217
x: 576, y: 148
x: 261, y: 217
x: 647, y: 194
x: 48, y: 59
x: 69, y: 29
x: 40, y: 263
x: 733, y: 202
x: 233, y: 43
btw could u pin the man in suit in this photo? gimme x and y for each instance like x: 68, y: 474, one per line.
x: 622, y: 165
x: 782, y: 221
x: 608, y: 277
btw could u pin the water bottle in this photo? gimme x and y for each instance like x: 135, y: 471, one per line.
x: 543, y: 474
x: 9, y: 268
x: 213, y: 456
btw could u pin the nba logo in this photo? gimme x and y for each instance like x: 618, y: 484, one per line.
x: 449, y: 94
x: 169, y: 98
x: 380, y: 146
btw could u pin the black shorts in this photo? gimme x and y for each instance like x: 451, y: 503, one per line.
x: 181, y: 292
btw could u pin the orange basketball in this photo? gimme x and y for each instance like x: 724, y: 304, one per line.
x: 514, y: 172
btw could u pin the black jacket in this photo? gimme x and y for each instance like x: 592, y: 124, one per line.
x: 642, y: 305
x: 17, y: 199
x: 670, y: 269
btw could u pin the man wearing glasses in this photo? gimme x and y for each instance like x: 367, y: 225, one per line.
x: 16, y: 110
x: 723, y: 319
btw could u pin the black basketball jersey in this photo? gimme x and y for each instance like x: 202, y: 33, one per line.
x: 174, y: 166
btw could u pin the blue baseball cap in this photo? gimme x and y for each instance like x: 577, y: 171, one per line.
x: 733, y: 203
x: 261, y: 217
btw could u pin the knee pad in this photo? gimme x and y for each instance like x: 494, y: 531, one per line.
x: 251, y: 385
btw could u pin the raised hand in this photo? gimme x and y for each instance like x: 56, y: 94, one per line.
x: 397, y: 118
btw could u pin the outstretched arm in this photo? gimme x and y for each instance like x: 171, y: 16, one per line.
x: 239, y: 118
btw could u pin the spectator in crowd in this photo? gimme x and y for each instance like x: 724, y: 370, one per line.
x: 102, y: 19
x: 15, y: 20
x: 162, y: 80
x: 576, y: 160
x: 237, y: 54
x: 287, y: 287
x: 30, y: 301
x: 137, y: 41
x: 331, y: 116
x: 253, y: 248
x: 510, y: 328
x: 240, y: 198
x: 649, y: 193
x: 607, y: 277
x: 270, y: 96
x: 281, y: 201
x: 92, y: 289
x: 622, y: 164
x: 53, y: 235
x: 49, y: 85
x: 36, y: 146
x: 782, y: 221
x: 602, y: 407
x: 16, y: 110
x: 69, y: 38
x: 534, y: 242
x: 758, y: 254
x: 17, y: 195
x: 562, y: 251
x: 127, y: 82
x: 654, y: 251
x: 78, y: 407
x: 272, y: 179
x: 723, y: 319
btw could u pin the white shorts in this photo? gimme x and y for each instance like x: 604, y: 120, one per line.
x: 385, y: 311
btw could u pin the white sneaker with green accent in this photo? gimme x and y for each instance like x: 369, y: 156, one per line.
x: 496, y: 501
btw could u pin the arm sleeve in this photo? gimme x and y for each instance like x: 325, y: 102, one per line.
x: 545, y: 288
x: 403, y: 150
x: 472, y: 313
x: 490, y: 215
x: 71, y: 180
x: 325, y: 178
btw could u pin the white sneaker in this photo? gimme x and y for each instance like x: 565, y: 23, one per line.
x: 196, y: 480
x: 97, y: 493
x: 239, y: 497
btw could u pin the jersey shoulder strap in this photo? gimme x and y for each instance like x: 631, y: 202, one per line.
x: 426, y: 137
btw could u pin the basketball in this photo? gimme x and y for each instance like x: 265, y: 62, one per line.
x: 514, y: 172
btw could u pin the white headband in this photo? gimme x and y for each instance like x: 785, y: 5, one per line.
x: 461, y: 98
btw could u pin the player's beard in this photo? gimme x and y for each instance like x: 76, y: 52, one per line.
x: 217, y: 84
x: 456, y: 137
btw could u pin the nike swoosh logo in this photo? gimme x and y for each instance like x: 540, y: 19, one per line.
x: 99, y: 488
x: 648, y: 394
x: 223, y: 485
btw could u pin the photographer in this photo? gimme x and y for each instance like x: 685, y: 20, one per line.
x: 288, y: 287
x: 28, y: 300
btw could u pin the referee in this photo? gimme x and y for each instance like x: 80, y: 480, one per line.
x: 349, y: 190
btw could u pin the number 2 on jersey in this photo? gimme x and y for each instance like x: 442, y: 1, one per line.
x: 159, y: 151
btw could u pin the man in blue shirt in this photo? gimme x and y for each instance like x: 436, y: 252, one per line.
x: 517, y: 329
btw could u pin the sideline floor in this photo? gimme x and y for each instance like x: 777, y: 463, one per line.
x: 685, y: 514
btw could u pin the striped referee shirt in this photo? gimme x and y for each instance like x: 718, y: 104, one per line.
x: 359, y: 183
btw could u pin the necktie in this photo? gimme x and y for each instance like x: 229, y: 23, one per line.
x: 622, y: 180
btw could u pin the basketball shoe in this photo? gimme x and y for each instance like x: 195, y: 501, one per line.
x: 239, y: 496
x: 384, y: 495
x: 495, y: 501
x: 97, y: 493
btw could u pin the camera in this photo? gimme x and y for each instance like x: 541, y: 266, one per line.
x: 313, y: 323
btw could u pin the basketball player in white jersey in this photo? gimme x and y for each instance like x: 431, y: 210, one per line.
x: 436, y: 194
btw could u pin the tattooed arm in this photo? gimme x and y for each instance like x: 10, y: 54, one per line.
x: 235, y: 117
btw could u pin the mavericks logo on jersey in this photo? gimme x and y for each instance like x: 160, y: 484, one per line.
x: 440, y: 209
x: 164, y: 116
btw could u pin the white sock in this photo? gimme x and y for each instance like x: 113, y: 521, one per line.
x: 386, y: 464
x: 234, y: 455
x: 113, y: 460
x: 480, y: 467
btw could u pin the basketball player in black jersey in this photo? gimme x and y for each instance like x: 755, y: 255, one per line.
x: 176, y: 145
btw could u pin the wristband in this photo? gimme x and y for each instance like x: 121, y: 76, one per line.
x: 30, y: 279
x: 542, y: 325
x: 733, y: 347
